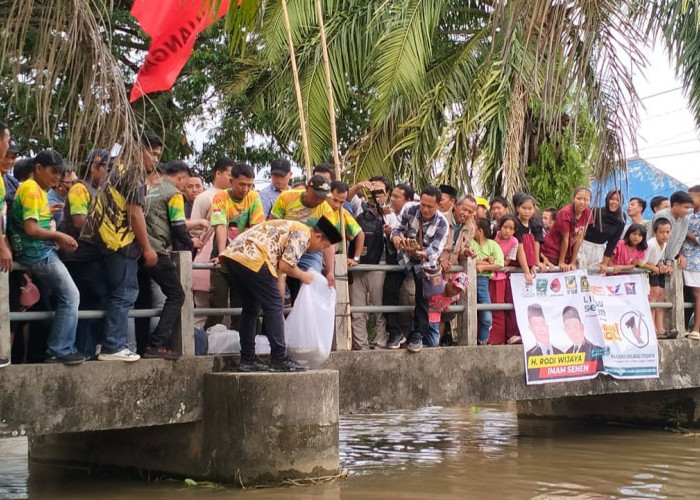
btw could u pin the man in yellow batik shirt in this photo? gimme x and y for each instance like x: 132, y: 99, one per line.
x: 254, y: 260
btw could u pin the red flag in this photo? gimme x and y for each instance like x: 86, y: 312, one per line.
x: 173, y: 26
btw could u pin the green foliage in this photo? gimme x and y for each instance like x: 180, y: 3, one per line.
x: 561, y: 166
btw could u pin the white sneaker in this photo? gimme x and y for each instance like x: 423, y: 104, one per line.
x: 123, y: 355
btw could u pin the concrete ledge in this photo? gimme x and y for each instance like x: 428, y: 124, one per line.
x: 49, y: 399
x: 376, y: 381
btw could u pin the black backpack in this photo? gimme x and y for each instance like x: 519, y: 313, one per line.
x: 373, y: 227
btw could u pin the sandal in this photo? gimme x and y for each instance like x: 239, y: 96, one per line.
x: 693, y: 335
x: 515, y: 339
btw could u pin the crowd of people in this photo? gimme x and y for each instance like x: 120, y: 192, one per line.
x: 101, y: 239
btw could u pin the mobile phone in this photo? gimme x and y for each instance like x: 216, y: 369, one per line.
x: 412, y: 243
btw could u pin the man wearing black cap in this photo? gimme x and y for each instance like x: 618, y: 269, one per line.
x: 448, y: 199
x: 280, y: 173
x: 84, y: 264
x: 307, y: 206
x: 35, y: 247
x: 254, y: 259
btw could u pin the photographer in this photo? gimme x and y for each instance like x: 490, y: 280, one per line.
x: 420, y: 239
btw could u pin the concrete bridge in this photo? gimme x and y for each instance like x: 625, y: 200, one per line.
x: 196, y: 417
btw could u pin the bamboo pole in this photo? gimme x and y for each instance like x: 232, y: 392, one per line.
x: 345, y: 323
x: 297, y: 90
x: 331, y: 111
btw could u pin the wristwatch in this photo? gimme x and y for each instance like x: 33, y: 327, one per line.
x: 356, y: 259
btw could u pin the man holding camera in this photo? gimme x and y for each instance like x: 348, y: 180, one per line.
x: 420, y: 238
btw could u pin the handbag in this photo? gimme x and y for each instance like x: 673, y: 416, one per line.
x: 433, y: 283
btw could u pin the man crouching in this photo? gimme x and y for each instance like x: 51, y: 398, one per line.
x: 253, y: 260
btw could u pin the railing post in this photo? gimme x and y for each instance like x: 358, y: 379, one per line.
x: 674, y: 294
x: 343, y: 331
x: 5, y: 339
x: 468, y: 322
x: 183, y: 341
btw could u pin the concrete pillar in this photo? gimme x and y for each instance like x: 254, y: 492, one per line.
x: 263, y: 428
x: 678, y: 408
x: 183, y: 342
x: 468, y: 322
x: 257, y: 428
x: 343, y: 329
x: 5, y: 344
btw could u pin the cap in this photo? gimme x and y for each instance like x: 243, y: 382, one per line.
x: 448, y: 190
x: 49, y: 158
x: 460, y: 280
x: 483, y: 202
x: 14, y: 148
x: 320, y: 186
x: 101, y: 156
x: 328, y: 228
x: 280, y: 166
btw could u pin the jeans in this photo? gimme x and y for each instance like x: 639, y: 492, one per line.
x: 122, y: 290
x: 258, y: 290
x: 432, y: 338
x: 485, y: 317
x: 87, y: 276
x: 53, y: 273
x: 166, y: 277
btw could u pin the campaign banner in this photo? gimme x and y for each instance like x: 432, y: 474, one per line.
x: 571, y: 333
x: 627, y: 326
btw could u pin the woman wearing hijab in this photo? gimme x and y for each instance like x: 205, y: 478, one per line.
x: 604, y: 233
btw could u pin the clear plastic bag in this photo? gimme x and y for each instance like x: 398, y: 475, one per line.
x: 309, y: 327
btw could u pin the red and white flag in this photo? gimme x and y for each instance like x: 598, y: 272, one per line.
x: 173, y: 26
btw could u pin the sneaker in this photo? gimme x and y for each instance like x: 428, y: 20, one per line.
x: 69, y: 359
x: 123, y: 355
x: 415, y: 346
x: 396, y: 343
x: 160, y: 352
x: 287, y: 364
x: 4, y: 362
x: 253, y: 366
x: 692, y: 335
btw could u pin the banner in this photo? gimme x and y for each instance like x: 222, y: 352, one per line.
x: 575, y: 326
x: 173, y: 26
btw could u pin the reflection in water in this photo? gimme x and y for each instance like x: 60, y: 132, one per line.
x: 450, y: 453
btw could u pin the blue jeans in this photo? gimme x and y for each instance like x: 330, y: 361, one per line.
x: 55, y: 276
x: 122, y: 290
x: 311, y: 260
x: 485, y: 317
x: 432, y: 338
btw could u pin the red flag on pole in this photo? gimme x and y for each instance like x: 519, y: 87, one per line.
x: 173, y: 26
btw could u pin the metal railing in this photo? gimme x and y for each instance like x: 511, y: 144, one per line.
x: 184, y: 341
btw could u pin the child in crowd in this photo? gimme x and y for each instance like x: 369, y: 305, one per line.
x: 499, y: 281
x: 489, y: 258
x: 440, y: 304
x: 631, y: 250
x: 549, y: 215
x: 564, y: 239
x: 654, y: 263
x: 530, y: 234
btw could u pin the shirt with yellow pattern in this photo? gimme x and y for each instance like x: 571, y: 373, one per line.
x: 3, y: 194
x: 352, y: 228
x: 268, y: 243
x: 290, y: 207
x: 31, y: 202
x: 237, y: 215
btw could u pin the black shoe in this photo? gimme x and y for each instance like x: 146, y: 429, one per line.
x: 253, y: 366
x: 287, y: 364
x: 70, y: 359
x: 395, y: 342
x: 160, y: 352
x: 4, y: 362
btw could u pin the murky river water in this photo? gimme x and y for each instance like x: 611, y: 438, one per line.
x: 446, y: 453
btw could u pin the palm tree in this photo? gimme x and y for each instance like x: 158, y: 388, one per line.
x: 450, y: 88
